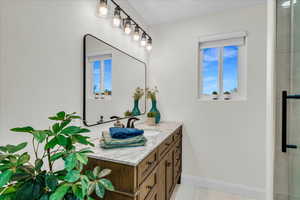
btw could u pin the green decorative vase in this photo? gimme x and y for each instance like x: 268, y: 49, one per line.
x: 155, y: 110
x: 136, y: 111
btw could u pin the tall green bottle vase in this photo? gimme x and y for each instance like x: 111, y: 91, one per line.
x: 136, y: 111
x: 155, y: 110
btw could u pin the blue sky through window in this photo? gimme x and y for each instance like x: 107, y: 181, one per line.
x: 96, y: 77
x: 210, y: 72
x: 107, y: 74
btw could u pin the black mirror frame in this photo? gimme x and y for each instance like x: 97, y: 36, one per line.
x: 84, y: 80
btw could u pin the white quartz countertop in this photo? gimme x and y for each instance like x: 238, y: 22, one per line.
x: 134, y: 155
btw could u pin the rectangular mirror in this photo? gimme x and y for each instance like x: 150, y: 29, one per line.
x: 111, y: 77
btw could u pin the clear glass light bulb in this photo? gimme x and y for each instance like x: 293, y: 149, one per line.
x: 136, y: 34
x: 103, y: 10
x: 127, y: 29
x: 116, y: 21
x: 143, y: 41
x: 149, y: 44
x: 127, y: 26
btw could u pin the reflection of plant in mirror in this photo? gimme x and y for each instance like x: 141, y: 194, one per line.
x: 139, y: 92
x: 19, y: 179
x: 151, y: 114
x: 128, y: 113
x: 151, y: 93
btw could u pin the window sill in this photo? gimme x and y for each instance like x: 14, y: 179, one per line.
x: 222, y: 99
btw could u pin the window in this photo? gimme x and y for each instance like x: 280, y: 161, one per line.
x: 102, y: 76
x: 221, y: 66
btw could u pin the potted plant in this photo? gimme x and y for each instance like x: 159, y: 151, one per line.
x: 227, y: 95
x: 215, y: 95
x: 39, y: 180
x: 139, y: 92
x: 127, y: 114
x: 151, y: 118
x: 151, y: 94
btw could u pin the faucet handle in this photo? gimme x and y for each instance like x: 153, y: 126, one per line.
x: 118, y: 123
x: 131, y: 124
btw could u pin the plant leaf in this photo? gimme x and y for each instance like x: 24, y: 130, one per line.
x: 84, y: 184
x: 51, y: 181
x: 100, y: 190
x: 52, y: 143
x: 65, y: 123
x: 60, y: 192
x: 70, y: 130
x: 57, y: 156
x: 24, y: 158
x: 77, y: 191
x: 5, y: 177
x: 104, y: 172
x: 61, y: 115
x: 27, y: 129
x: 62, y: 140
x: 72, y: 176
x: 40, y: 135
x: 92, y: 188
x: 96, y: 171
x: 107, y: 184
x: 70, y: 162
x: 31, y: 189
x: 56, y: 128
x: 14, y: 149
x: 82, y: 158
x: 86, y: 150
x: 38, y: 164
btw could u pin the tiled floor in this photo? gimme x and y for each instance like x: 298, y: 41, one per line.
x: 190, y: 192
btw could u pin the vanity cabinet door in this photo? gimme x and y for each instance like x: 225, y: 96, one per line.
x: 169, y: 171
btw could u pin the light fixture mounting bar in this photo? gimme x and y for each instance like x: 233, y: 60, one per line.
x: 117, y: 5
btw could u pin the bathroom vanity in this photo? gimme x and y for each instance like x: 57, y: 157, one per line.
x: 144, y: 173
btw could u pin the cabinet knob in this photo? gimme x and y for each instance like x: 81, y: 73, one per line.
x: 149, y: 187
x: 150, y: 162
x: 167, y: 144
x: 168, y: 164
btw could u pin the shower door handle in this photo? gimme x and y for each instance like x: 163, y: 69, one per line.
x: 284, y: 145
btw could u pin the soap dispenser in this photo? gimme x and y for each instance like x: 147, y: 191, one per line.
x: 118, y: 122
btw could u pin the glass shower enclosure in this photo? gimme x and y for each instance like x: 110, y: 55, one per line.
x: 287, y: 149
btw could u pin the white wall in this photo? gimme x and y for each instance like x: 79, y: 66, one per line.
x: 224, y: 142
x: 41, y: 66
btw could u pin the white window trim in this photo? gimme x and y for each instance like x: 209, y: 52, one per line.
x: 242, y: 68
x: 90, y: 60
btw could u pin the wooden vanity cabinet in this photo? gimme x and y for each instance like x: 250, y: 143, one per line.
x: 154, y: 178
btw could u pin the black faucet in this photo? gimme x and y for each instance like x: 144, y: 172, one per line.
x: 131, y: 124
x: 118, y: 123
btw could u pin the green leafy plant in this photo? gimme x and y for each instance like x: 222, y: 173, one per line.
x: 138, y: 93
x: 214, y: 93
x: 227, y: 93
x: 151, y: 114
x: 22, y: 180
x: 127, y: 113
x: 151, y: 93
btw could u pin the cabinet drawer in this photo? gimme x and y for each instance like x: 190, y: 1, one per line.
x: 154, y: 196
x: 162, y: 149
x: 146, y: 166
x: 149, y: 186
x: 178, y: 134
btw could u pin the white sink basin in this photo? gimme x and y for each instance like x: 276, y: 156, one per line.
x: 149, y: 132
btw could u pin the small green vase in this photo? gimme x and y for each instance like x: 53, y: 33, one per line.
x: 155, y: 110
x: 136, y: 111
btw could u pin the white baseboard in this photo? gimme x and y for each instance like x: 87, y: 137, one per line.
x: 280, y: 196
x: 242, y: 190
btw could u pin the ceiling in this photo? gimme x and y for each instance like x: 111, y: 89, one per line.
x: 164, y: 11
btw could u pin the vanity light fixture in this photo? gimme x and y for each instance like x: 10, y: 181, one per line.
x: 103, y: 8
x: 149, y: 44
x: 117, y: 17
x: 144, y: 40
x: 136, y: 34
x: 127, y: 25
x: 123, y: 20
